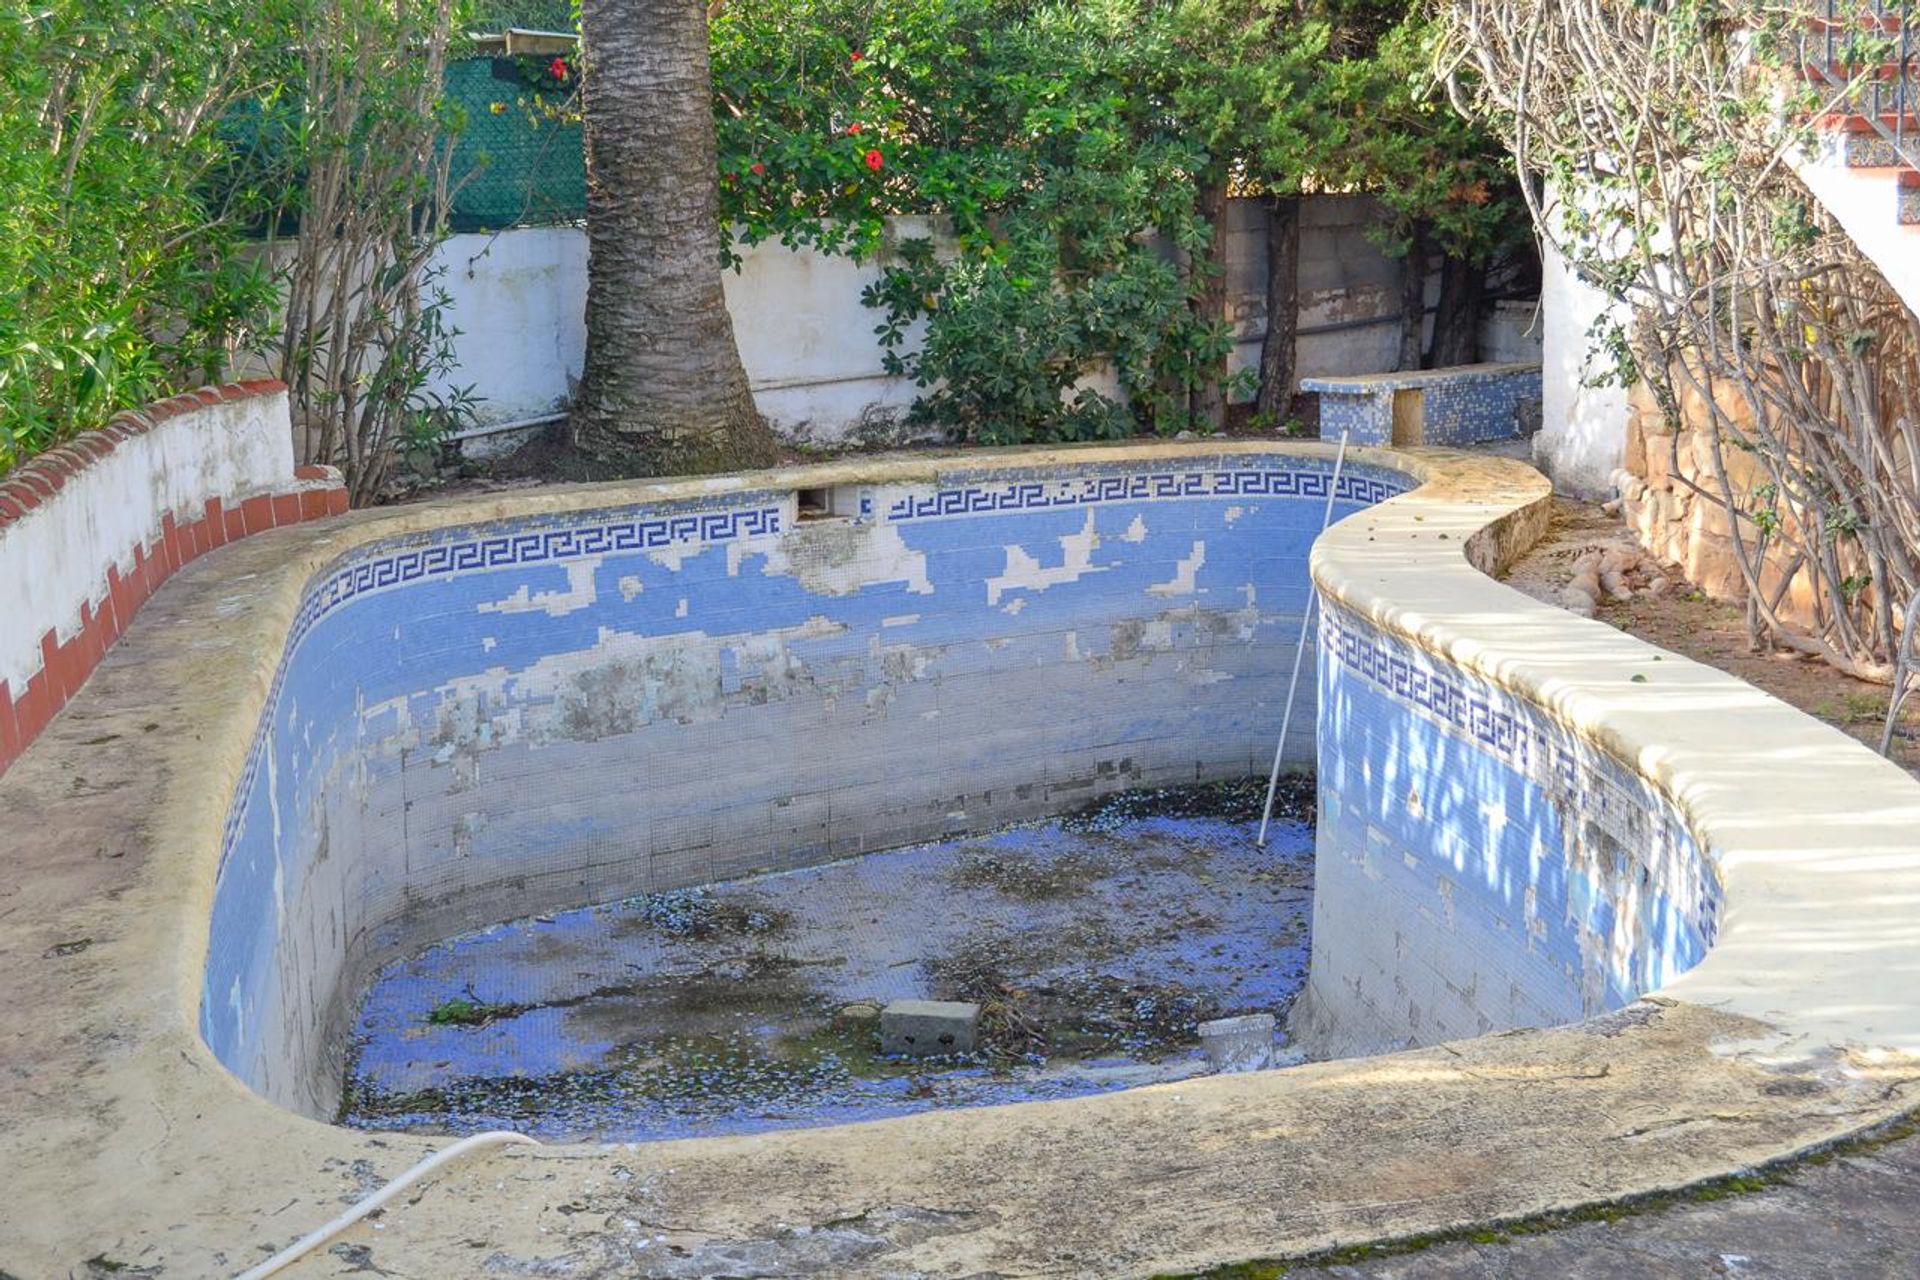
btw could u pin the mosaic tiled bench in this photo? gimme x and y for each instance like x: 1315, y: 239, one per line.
x: 1466, y: 404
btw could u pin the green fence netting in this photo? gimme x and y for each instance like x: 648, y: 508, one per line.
x: 519, y: 161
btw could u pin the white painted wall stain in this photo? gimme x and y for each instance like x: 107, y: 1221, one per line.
x: 838, y: 557
x: 620, y: 683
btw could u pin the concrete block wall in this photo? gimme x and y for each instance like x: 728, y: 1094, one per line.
x: 91, y: 529
x: 1478, y: 865
x: 494, y: 720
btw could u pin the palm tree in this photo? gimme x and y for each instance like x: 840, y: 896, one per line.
x: 663, y: 388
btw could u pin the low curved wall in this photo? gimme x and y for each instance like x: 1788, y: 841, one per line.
x: 494, y: 720
x: 90, y: 529
x: 1479, y: 866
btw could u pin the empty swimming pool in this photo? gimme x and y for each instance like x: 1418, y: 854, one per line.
x: 501, y: 720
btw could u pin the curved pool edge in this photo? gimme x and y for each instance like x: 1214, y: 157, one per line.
x: 1792, y: 1033
x: 1815, y: 838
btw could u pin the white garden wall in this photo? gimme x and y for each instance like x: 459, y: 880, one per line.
x: 518, y: 300
x: 1583, y: 428
x: 89, y: 530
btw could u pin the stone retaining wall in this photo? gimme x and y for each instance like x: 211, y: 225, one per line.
x: 1668, y: 462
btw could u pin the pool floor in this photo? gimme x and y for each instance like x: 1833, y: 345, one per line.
x: 1093, y: 944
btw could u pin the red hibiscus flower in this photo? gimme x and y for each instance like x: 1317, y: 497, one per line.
x: 875, y: 160
x: 758, y: 168
x: 857, y: 56
x: 853, y: 130
x: 557, y: 68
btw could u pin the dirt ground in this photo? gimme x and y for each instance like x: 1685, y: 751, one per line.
x: 1685, y: 621
x: 548, y: 458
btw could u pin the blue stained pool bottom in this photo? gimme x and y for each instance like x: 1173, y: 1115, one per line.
x: 1096, y: 945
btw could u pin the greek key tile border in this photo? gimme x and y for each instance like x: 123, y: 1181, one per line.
x: 382, y: 571
x: 374, y: 571
x: 1368, y: 485
x: 1611, y: 796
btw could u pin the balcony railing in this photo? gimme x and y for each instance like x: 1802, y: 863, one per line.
x: 1866, y: 53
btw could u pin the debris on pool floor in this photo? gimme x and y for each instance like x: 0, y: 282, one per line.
x: 1094, y: 947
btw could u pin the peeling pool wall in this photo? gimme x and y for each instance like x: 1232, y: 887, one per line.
x: 1478, y: 865
x: 498, y: 720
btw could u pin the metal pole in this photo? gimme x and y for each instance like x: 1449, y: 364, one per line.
x: 1299, y: 651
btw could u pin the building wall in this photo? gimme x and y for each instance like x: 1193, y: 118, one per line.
x: 1583, y: 428
x: 1867, y: 200
x: 494, y: 720
x: 89, y: 530
x: 519, y: 297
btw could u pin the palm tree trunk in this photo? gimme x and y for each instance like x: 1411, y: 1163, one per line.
x: 663, y: 388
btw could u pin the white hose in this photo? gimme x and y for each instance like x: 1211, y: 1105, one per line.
x: 1300, y: 649
x: 320, y: 1235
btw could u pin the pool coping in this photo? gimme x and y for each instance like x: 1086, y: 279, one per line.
x: 1800, y: 1028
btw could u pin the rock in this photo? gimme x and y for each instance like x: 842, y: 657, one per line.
x: 1659, y: 471
x: 1713, y: 565
x: 1697, y: 448
x: 1641, y: 400
x: 1635, y: 458
x: 1616, y: 564
x: 1619, y: 559
x: 1666, y: 504
x: 1574, y: 600
x: 1709, y: 518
